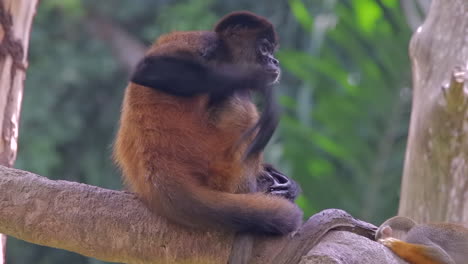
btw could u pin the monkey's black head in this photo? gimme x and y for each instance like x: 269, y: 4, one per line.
x: 248, y: 21
x: 251, y: 40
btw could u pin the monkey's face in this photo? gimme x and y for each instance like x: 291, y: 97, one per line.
x: 253, y: 52
x: 251, y: 41
x: 266, y: 59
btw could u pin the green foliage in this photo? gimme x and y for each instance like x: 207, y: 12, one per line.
x: 352, y: 84
x: 343, y: 129
x: 71, y: 7
x: 300, y: 12
x: 367, y: 13
x: 191, y: 16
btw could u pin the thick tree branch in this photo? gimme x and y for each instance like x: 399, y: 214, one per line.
x: 104, y: 224
x: 115, y: 226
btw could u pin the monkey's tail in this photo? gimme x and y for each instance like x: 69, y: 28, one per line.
x: 266, y: 124
x: 197, y: 206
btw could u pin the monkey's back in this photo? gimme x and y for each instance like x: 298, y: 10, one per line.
x: 164, y: 139
x: 450, y: 237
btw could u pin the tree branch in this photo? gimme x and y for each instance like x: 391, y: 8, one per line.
x: 115, y: 226
x: 105, y: 224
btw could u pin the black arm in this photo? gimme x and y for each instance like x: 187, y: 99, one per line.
x: 187, y: 77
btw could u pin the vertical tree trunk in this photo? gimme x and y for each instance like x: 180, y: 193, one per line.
x: 435, y: 178
x: 15, y: 25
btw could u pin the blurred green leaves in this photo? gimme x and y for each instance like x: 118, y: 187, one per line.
x: 367, y: 14
x: 183, y: 17
x: 301, y: 13
x: 302, y: 64
x: 391, y: 3
x: 73, y: 8
x: 353, y: 89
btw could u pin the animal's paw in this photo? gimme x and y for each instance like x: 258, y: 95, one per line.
x: 279, y: 184
x: 389, y: 241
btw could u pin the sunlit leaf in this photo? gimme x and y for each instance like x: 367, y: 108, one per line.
x: 367, y: 12
x: 300, y: 12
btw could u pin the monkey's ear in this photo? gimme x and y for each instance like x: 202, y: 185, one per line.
x: 246, y: 20
x: 387, y: 231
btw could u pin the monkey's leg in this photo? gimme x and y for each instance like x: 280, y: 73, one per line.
x: 416, y: 253
x: 269, y: 181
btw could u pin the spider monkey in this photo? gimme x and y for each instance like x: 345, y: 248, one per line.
x: 190, y: 139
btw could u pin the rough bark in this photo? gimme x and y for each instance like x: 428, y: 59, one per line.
x: 15, y: 25
x: 115, y: 226
x: 435, y: 180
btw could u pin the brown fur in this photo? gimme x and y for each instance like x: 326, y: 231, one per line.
x: 433, y: 243
x: 413, y: 253
x: 182, y: 157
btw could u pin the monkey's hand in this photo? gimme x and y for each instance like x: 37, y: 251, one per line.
x: 272, y: 181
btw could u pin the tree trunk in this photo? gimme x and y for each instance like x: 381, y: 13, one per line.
x: 15, y: 25
x: 435, y: 178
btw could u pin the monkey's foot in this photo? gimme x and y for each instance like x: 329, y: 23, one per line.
x: 389, y: 241
x: 280, y: 184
